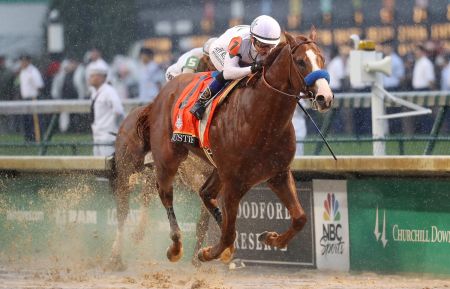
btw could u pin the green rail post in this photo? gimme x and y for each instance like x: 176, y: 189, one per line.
x: 435, y: 130
x: 48, y: 134
x: 401, y: 146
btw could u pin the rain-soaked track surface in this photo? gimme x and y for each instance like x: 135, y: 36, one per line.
x: 209, y: 276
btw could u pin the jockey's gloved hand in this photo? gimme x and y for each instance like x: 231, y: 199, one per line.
x: 256, y: 67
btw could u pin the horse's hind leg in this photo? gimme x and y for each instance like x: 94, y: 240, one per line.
x: 145, y: 197
x: 166, y: 170
x: 200, y: 233
x: 284, y: 187
x: 209, y: 192
x: 121, y: 190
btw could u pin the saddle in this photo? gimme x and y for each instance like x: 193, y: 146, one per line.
x: 186, y: 127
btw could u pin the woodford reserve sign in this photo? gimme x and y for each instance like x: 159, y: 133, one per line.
x: 261, y: 210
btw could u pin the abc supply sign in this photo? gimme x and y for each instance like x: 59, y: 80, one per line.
x: 400, y: 225
x: 331, y: 225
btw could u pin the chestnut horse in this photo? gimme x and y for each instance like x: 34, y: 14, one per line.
x: 130, y: 152
x: 252, y: 141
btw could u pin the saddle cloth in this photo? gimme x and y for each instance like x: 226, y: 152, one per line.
x: 186, y: 127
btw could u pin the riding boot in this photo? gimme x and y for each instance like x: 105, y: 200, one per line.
x: 200, y: 105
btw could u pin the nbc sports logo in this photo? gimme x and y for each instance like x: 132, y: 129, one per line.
x: 331, y: 206
x: 331, y: 224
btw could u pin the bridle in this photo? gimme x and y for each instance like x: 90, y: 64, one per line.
x: 304, y: 91
x: 310, y: 78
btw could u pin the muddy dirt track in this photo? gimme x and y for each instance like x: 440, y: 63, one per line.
x: 210, y: 276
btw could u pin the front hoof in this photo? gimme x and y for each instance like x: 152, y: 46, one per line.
x: 268, y: 238
x: 227, y: 255
x: 174, y: 256
x: 201, y: 254
x: 115, y: 264
x: 263, y: 236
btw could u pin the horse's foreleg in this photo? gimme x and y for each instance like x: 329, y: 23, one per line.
x: 225, y: 247
x: 284, y: 187
x: 209, y: 192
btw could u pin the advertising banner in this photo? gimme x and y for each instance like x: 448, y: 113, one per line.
x: 331, y: 225
x: 260, y: 210
x: 400, y: 225
x: 76, y: 217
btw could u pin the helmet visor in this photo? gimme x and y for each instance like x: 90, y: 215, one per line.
x: 271, y: 41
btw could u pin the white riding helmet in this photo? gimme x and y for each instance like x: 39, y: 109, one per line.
x: 266, y: 30
x: 207, y: 45
x: 97, y: 67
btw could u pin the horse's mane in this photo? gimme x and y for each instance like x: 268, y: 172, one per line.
x: 274, y: 53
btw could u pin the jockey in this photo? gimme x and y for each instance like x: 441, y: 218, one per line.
x: 188, y: 62
x: 237, y: 53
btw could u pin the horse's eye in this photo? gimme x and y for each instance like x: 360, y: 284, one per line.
x: 301, y: 63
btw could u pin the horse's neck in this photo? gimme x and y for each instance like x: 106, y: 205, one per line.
x: 277, y: 75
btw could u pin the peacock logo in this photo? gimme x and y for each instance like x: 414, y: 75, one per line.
x: 331, y: 206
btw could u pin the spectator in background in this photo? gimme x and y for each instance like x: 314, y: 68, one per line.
x: 6, y: 92
x: 423, y: 77
x: 445, y: 75
x: 124, y: 78
x: 106, y: 110
x: 300, y: 130
x: 95, y: 57
x: 6, y: 80
x: 80, y: 78
x: 50, y: 72
x: 336, y: 69
x: 63, y: 87
x: 394, y: 81
x: 151, y: 77
x: 31, y: 83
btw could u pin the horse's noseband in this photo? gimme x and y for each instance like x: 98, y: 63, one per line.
x: 310, y: 79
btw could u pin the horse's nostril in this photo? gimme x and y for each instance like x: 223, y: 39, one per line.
x: 320, y: 99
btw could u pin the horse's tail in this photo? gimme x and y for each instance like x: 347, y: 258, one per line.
x: 143, y: 127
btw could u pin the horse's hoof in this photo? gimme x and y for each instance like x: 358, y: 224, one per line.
x: 269, y: 238
x: 201, y: 254
x: 115, y: 264
x: 172, y: 257
x: 227, y: 256
x: 263, y: 236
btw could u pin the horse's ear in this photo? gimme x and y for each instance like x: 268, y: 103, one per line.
x: 289, y: 38
x: 313, y: 33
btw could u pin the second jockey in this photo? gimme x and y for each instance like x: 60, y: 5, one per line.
x: 237, y: 53
x: 188, y: 62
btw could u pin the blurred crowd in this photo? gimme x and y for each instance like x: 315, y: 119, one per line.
x: 426, y: 68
